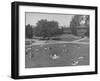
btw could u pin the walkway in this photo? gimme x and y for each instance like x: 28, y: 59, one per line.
x: 58, y: 42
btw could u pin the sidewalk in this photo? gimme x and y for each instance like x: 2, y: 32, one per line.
x: 59, y: 42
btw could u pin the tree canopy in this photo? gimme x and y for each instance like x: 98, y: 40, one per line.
x: 74, y: 23
x: 46, y: 28
x: 29, y: 31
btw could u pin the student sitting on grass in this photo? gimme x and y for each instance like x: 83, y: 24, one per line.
x: 53, y: 53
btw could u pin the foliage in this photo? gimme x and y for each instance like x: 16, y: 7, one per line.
x: 74, y: 23
x: 46, y: 28
x: 87, y: 25
x: 29, y: 31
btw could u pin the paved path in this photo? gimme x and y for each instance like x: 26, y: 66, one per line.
x: 80, y: 39
x: 58, y: 42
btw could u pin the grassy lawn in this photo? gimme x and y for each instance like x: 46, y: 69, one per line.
x: 67, y: 37
x: 68, y: 53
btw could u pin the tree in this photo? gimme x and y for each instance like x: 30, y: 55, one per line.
x: 87, y: 25
x: 46, y: 28
x: 74, y: 23
x: 28, y: 31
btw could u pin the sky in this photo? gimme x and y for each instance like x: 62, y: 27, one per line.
x: 63, y: 19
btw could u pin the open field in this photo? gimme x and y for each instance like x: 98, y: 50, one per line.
x: 69, y: 54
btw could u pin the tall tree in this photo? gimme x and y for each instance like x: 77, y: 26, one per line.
x: 46, y: 28
x: 87, y: 25
x: 28, y: 31
x: 74, y: 23
x: 79, y: 20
